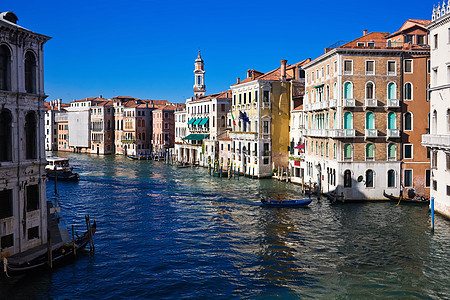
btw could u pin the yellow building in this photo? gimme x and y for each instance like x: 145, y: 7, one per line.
x: 260, y: 117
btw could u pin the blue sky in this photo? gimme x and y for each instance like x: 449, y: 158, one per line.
x: 146, y: 49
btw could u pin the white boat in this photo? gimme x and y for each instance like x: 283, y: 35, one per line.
x: 61, y: 164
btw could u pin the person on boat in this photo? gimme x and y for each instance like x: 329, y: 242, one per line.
x: 268, y: 199
x: 278, y: 198
x: 401, y: 190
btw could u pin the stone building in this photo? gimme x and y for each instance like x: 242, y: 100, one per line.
x: 438, y: 140
x: 51, y: 138
x: 163, y: 129
x: 23, y: 209
x: 260, y: 111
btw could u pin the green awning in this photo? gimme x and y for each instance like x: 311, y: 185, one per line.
x: 204, y: 121
x: 318, y: 86
x: 197, y: 121
x: 191, y: 121
x: 196, y: 137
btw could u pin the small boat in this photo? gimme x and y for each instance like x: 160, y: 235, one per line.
x: 416, y: 199
x: 59, y: 167
x: 183, y: 165
x: 133, y: 157
x: 286, y: 203
x: 60, y: 255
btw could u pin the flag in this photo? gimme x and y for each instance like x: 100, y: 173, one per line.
x: 302, y: 146
x: 234, y: 122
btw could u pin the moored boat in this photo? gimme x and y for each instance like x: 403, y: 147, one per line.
x: 416, y: 199
x: 59, y: 168
x: 286, y: 203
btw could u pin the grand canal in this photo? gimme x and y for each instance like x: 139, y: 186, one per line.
x: 165, y: 232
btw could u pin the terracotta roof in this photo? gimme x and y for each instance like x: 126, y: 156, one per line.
x: 221, y: 95
x: 379, y: 38
x: 167, y: 107
x: 410, y: 23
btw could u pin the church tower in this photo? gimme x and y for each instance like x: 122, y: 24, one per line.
x: 199, y: 73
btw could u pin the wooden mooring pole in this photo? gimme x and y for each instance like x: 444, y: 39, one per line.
x: 432, y: 213
x: 49, y: 250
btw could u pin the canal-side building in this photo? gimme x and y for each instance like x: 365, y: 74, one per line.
x: 352, y: 119
x: 180, y: 126
x: 358, y: 99
x: 297, y: 145
x: 52, y: 108
x: 62, y: 123
x: 260, y: 112
x: 163, y: 129
x: 415, y: 159
x: 102, y: 127
x: 23, y: 208
x: 79, y: 121
x: 438, y: 140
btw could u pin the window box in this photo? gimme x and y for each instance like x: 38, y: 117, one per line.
x: 371, y: 103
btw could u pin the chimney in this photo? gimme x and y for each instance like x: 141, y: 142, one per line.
x: 364, y: 32
x: 238, y: 80
x: 59, y: 104
x: 101, y: 96
x: 249, y: 73
x: 283, y: 70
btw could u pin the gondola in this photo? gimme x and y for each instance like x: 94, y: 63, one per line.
x: 286, y: 203
x: 12, y: 267
x: 417, y: 199
x: 183, y: 165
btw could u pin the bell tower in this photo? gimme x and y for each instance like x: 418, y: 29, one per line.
x: 199, y: 77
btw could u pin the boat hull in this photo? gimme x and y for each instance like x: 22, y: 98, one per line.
x: 287, y: 203
x: 407, y: 200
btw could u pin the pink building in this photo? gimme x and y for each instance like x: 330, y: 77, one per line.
x: 163, y: 128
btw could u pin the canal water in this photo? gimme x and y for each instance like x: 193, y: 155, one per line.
x: 172, y: 233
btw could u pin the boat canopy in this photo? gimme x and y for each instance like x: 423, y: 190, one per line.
x: 196, y: 137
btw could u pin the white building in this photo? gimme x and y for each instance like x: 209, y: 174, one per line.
x: 439, y: 138
x: 181, y: 127
x: 23, y: 209
x: 51, y: 127
x: 296, y: 147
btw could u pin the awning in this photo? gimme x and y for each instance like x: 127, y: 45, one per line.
x: 196, y: 137
x: 197, y: 121
x: 204, y: 121
x: 318, y: 86
x: 191, y: 121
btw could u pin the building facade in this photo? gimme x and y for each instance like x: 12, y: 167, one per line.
x: 23, y: 209
x: 438, y: 140
x: 163, y: 129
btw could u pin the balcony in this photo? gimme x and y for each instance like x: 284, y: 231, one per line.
x: 393, y: 133
x: 316, y: 132
x: 332, y: 103
x: 371, y: 133
x: 371, y: 103
x: 349, y: 103
x: 241, y: 135
x: 436, y: 140
x: 392, y: 103
x: 342, y: 133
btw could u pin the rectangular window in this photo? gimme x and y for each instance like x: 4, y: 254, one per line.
x: 7, y: 241
x: 360, y: 44
x: 448, y: 190
x: 328, y: 70
x: 371, y: 45
x: 408, y: 66
x: 409, y: 38
x: 434, y: 160
x: 427, y: 178
x: 335, y: 66
x: 348, y: 67
x: 391, y: 68
x: 428, y: 66
x: 435, y: 41
x: 434, y: 185
x: 370, y: 67
x: 265, y: 126
x: 447, y: 156
x: 408, y: 151
x: 266, y: 96
x: 420, y: 40
x: 408, y: 178
x: 33, y: 233
x: 6, y: 205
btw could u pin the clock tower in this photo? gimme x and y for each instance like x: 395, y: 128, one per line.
x: 199, y: 77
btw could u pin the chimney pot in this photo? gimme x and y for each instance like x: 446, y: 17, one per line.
x: 238, y: 80
x: 283, y: 69
x: 249, y: 73
x: 364, y: 32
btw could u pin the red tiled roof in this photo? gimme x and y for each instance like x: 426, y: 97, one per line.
x: 410, y: 23
x: 221, y: 95
x: 167, y: 107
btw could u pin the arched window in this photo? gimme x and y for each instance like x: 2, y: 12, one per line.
x: 347, y: 151
x: 391, y: 178
x: 389, y: 43
x: 5, y: 136
x: 334, y: 121
x: 312, y: 96
x: 370, y: 94
x: 391, y: 151
x: 408, y: 121
x: 369, y: 178
x: 408, y: 91
x: 334, y: 150
x: 328, y: 151
x: 222, y: 121
x: 370, y: 152
x: 328, y: 121
x: 108, y: 126
x: 306, y: 97
x: 370, y: 122
x: 347, y: 178
x: 306, y: 146
x: 392, y: 124
x: 30, y: 73
x: 348, y: 122
x: 328, y: 92
x: 335, y: 90
x: 448, y: 120
x: 392, y: 90
x: 321, y: 148
x: 5, y: 67
x: 30, y: 135
x: 348, y: 90
x: 317, y: 148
